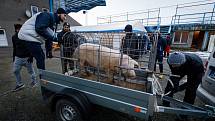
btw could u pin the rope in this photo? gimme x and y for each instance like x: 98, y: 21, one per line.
x: 159, y: 90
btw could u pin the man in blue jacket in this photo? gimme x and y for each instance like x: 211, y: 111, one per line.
x: 39, y: 28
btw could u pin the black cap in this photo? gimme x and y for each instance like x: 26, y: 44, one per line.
x: 66, y: 24
x: 17, y: 26
x: 128, y: 28
x: 61, y: 11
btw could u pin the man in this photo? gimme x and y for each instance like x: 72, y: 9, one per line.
x: 21, y: 57
x: 161, y: 44
x: 39, y: 28
x: 132, y: 44
x: 184, y: 64
x: 66, y: 47
x: 69, y: 41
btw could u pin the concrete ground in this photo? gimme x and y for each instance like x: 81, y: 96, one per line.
x: 28, y: 105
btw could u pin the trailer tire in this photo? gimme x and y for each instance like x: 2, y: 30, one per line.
x: 67, y: 110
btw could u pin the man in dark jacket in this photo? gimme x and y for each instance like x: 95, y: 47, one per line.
x: 39, y: 28
x: 66, y: 47
x: 132, y: 44
x: 161, y: 44
x: 69, y: 42
x: 184, y: 64
x: 21, y: 57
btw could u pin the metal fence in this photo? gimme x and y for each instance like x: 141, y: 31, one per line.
x: 195, y: 13
x: 109, y: 57
x: 201, y: 12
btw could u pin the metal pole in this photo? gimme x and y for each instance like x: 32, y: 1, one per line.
x: 148, y: 18
x: 127, y: 16
x: 203, y: 21
x: 212, y: 14
x: 51, y: 6
x: 176, y: 12
x: 158, y: 18
x: 110, y: 20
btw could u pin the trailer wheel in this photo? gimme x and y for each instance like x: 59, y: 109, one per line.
x: 67, y: 111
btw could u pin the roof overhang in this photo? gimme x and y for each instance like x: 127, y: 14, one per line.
x: 77, y: 5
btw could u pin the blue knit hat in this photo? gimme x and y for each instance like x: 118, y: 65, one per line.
x: 176, y: 58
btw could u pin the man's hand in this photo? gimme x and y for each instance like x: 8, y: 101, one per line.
x: 49, y: 54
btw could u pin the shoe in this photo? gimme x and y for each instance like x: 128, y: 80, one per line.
x: 33, y: 84
x: 18, y: 87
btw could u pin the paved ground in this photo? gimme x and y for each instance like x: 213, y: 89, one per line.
x: 27, y: 104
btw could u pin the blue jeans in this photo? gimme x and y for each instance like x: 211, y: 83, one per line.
x: 17, y: 66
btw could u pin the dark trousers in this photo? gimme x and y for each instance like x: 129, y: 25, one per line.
x: 159, y: 58
x: 66, y: 62
x: 37, y: 52
x: 190, y: 88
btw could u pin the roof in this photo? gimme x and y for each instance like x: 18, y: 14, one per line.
x: 77, y: 5
x: 113, y: 27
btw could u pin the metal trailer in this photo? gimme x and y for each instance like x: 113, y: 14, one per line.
x: 72, y: 96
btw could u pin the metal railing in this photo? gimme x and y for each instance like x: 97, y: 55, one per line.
x: 148, y: 17
x: 200, y: 12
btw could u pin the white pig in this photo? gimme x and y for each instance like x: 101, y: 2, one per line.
x: 109, y: 59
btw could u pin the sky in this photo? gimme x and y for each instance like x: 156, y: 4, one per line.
x: 123, y: 6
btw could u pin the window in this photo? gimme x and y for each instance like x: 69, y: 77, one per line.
x: 34, y: 10
x: 181, y: 37
x: 184, y: 37
x: 177, y: 37
x: 3, y: 38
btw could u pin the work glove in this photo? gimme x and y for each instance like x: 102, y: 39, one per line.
x: 30, y: 60
x: 49, y: 54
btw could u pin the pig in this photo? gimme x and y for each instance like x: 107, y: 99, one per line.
x: 109, y: 59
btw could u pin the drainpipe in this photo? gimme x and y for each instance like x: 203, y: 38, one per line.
x: 51, y: 6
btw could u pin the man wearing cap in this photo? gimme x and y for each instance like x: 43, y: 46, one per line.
x: 184, y: 64
x: 39, y: 28
x: 21, y: 57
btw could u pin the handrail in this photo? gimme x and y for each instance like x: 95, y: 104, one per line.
x: 193, y: 14
x: 156, y: 13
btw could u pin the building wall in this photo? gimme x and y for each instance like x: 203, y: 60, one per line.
x: 13, y: 11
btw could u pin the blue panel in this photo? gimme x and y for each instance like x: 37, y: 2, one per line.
x: 77, y: 5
